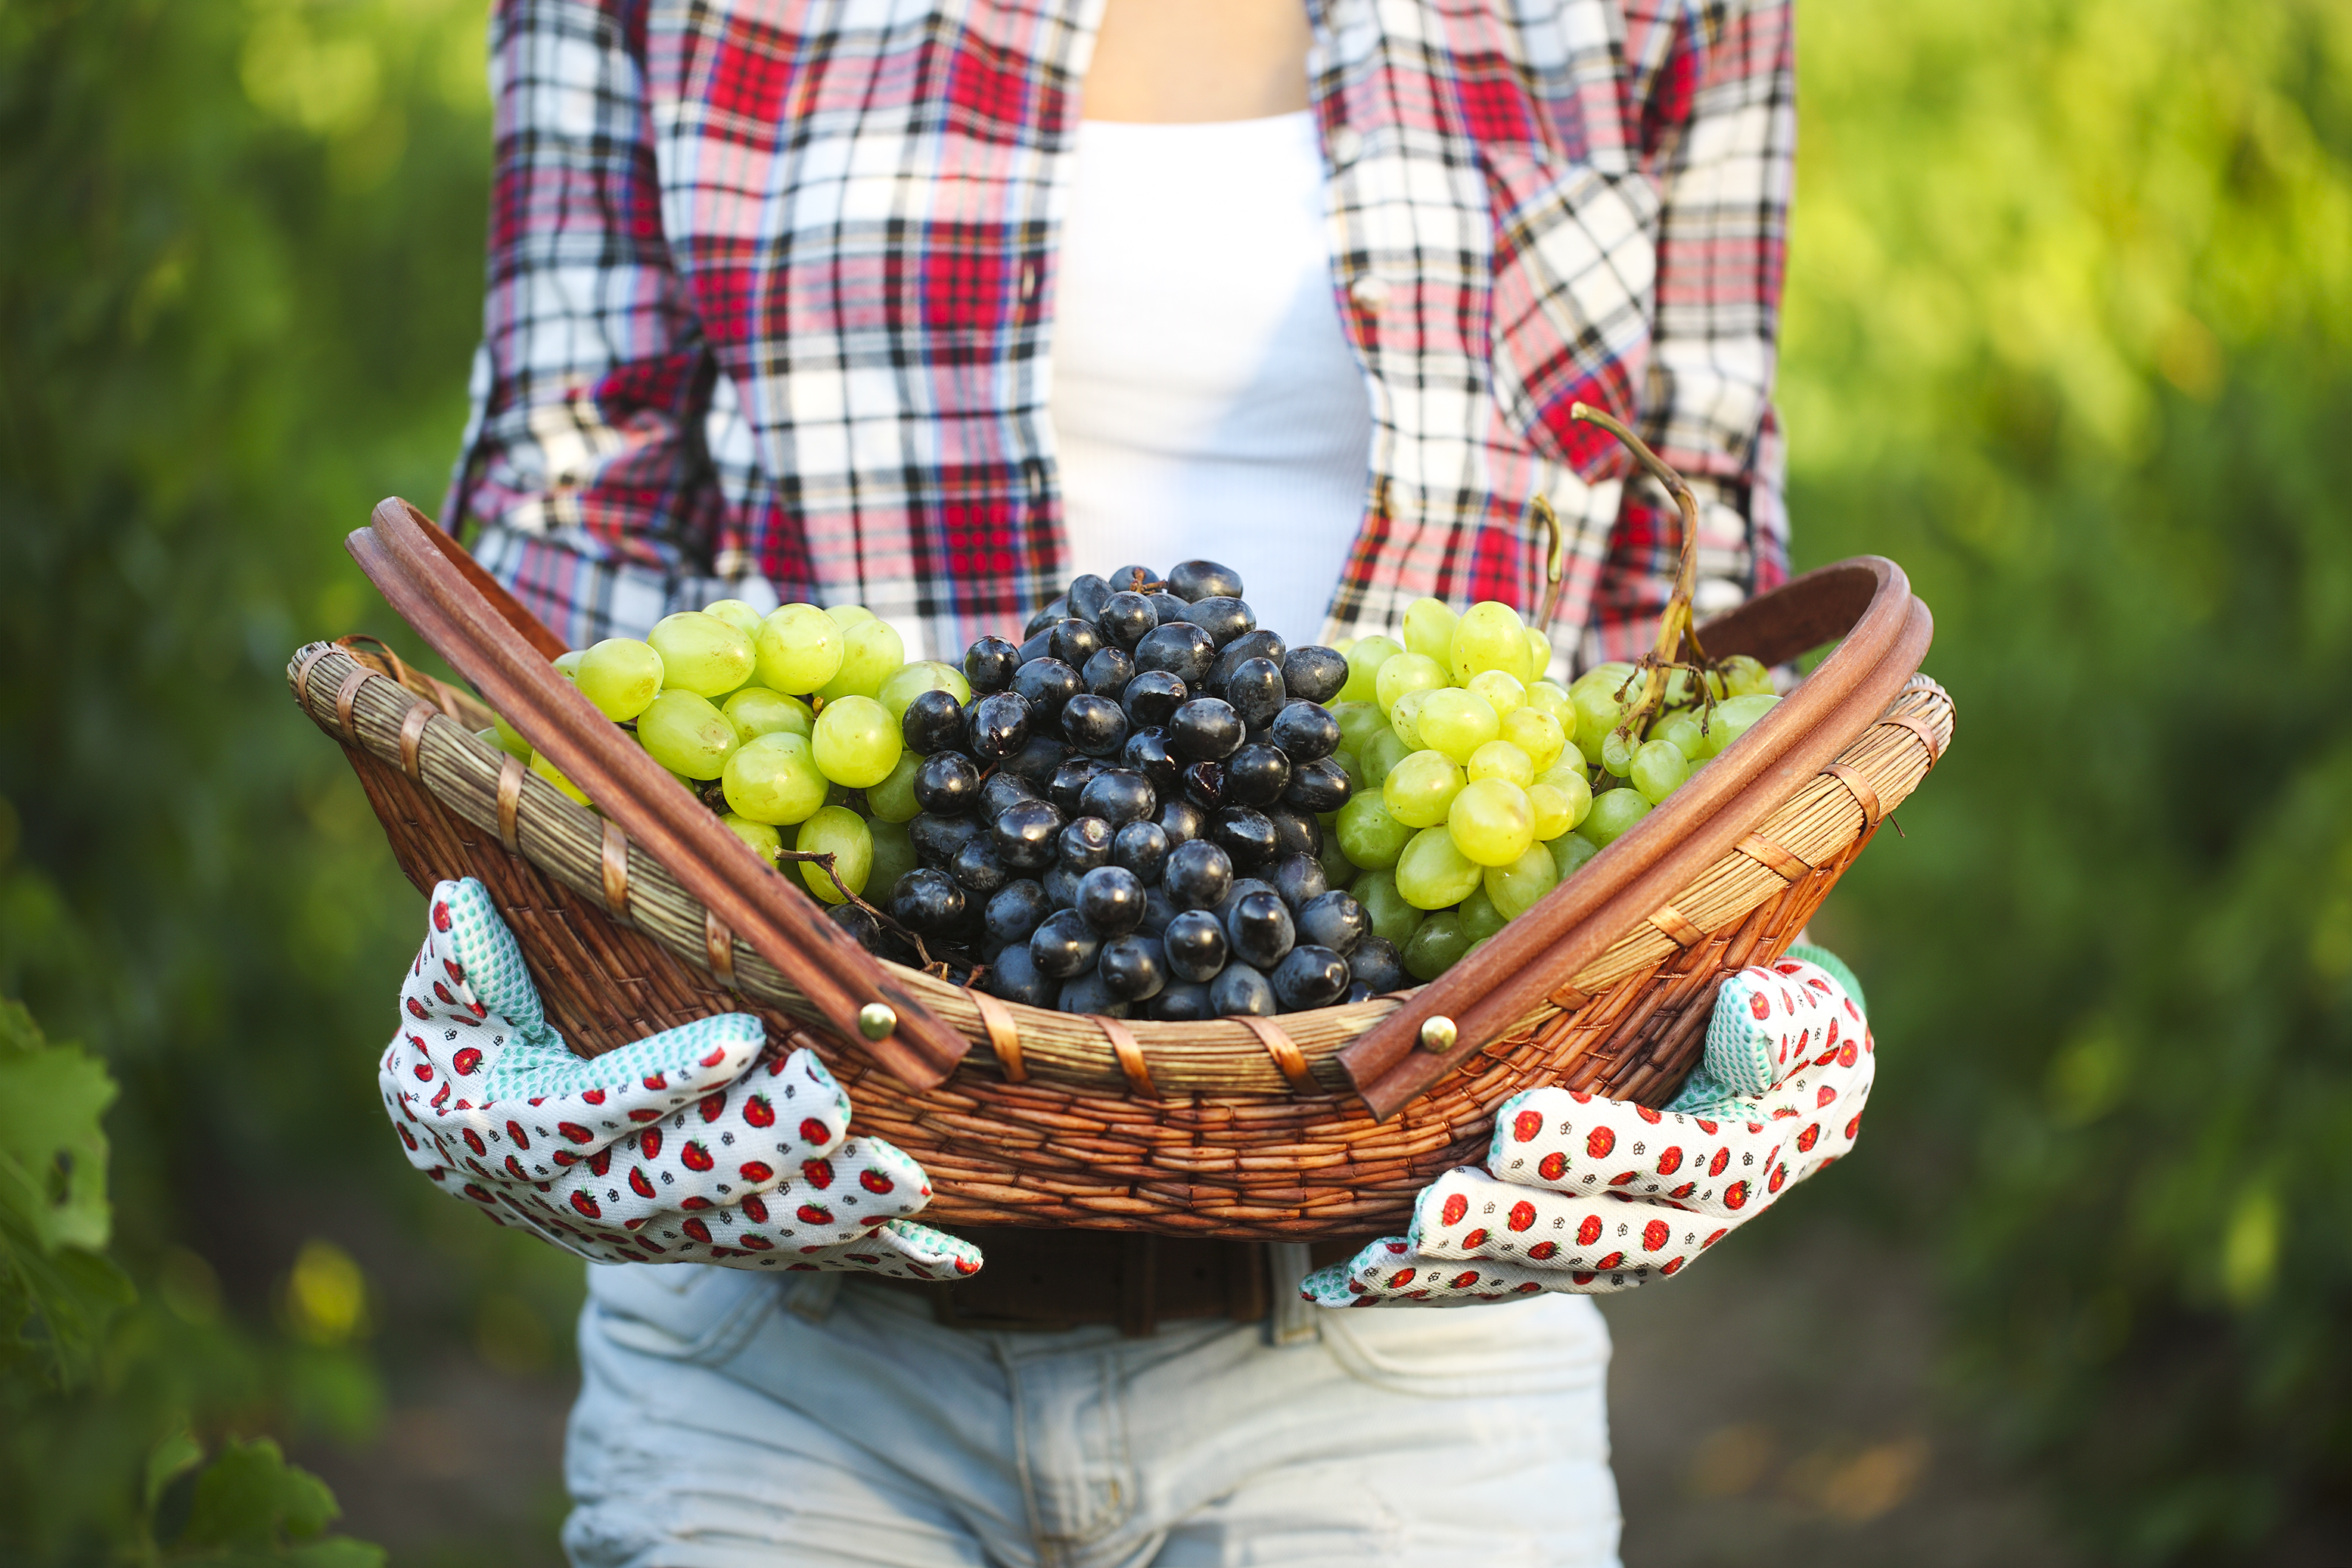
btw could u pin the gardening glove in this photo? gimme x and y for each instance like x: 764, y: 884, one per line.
x: 698, y: 1145
x: 1585, y: 1195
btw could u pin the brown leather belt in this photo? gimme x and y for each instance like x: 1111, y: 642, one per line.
x: 1039, y: 1281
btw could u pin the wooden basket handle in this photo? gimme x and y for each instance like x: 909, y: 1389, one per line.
x: 1868, y: 601
x: 499, y: 646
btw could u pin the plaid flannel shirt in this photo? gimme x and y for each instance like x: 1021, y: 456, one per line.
x: 771, y: 291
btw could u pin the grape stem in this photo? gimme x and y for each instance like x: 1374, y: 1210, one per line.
x: 1675, y: 623
x: 823, y: 860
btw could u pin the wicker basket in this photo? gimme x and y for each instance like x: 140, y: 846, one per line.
x: 1316, y: 1126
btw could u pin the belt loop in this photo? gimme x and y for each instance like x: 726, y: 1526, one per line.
x: 1290, y: 1318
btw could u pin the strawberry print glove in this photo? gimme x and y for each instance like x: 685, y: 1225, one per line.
x: 1585, y: 1195
x: 697, y: 1145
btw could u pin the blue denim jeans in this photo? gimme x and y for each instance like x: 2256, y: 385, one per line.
x: 729, y: 1419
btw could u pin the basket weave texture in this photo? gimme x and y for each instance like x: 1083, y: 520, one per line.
x: 1221, y: 1128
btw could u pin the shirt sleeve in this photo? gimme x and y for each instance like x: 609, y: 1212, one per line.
x: 1719, y: 142
x: 585, y: 479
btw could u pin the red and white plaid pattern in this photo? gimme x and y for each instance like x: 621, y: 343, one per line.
x: 770, y: 287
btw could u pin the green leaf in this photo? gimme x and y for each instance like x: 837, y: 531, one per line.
x: 250, y: 1501
x: 52, y: 1150
x: 172, y: 1459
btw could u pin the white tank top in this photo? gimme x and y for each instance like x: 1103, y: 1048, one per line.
x: 1205, y: 401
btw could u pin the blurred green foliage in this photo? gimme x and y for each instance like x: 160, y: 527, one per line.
x: 2069, y: 307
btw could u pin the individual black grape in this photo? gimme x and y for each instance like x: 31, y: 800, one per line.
x: 988, y: 665
x: 1046, y: 684
x: 932, y: 723
x: 1195, y: 944
x: 1307, y: 731
x: 1261, y: 643
x: 1260, y: 930
x: 1069, y: 782
x: 1179, y: 647
x: 1245, y: 833
x: 926, y: 901
x: 1085, y: 843
x: 1000, y: 792
x: 1310, y: 977
x: 1107, y: 671
x: 1360, y: 992
x: 1199, y: 875
x: 1376, y: 963
x: 1299, y: 879
x: 996, y: 726
x: 1152, y: 697
x: 1242, y: 992
x: 1132, y: 579
x: 1142, y: 848
x: 1088, y: 994
x: 1125, y: 618
x: 1183, y: 822
x: 1314, y: 673
x: 1294, y: 832
x: 858, y: 922
x: 1062, y: 943
x: 1195, y: 579
x: 1159, y: 909
x: 1039, y: 646
x: 1166, y: 605
x: 1254, y: 692
x: 1034, y: 763
x: 1016, y: 910
x: 1334, y: 920
x: 937, y: 838
x: 1094, y: 725
x: 1182, y: 1001
x: 1111, y: 899
x: 978, y: 868
x: 1014, y: 977
x: 1223, y: 616
x: 1205, y: 729
x: 1119, y: 795
x: 1024, y: 834
x: 1053, y: 610
x: 1147, y: 753
x: 1061, y: 885
x: 1204, y: 785
x: 1133, y: 968
x: 1087, y: 595
x: 1076, y: 641
x: 947, y: 784
x: 1256, y: 775
x: 1318, y: 786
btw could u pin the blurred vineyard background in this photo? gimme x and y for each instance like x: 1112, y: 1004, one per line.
x: 2069, y: 335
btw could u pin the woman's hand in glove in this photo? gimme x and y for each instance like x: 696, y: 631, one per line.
x: 694, y: 1146
x: 1586, y: 1194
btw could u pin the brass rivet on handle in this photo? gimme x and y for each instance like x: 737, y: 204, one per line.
x: 877, y: 1019
x: 1438, y: 1034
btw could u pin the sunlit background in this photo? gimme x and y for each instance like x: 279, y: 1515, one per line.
x: 2070, y: 303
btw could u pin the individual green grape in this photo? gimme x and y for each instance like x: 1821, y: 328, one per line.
x: 1537, y: 734
x: 1358, y: 722
x: 765, y: 841
x: 1419, y: 790
x: 620, y: 676
x: 1569, y: 851
x: 1353, y: 766
x: 687, y: 735
x: 1368, y: 835
x: 1403, y: 673
x: 1617, y: 750
x: 1744, y: 677
x: 800, y: 648
x: 1339, y: 870
x: 1553, y: 814
x: 736, y: 613
x: 1480, y: 918
x: 1432, y: 873
x: 871, y: 653
x: 911, y: 681
x: 1597, y: 714
x: 1492, y: 822
x: 1435, y: 947
x: 756, y: 711
x: 1387, y: 750
x: 568, y: 664
x: 1394, y: 920
x: 842, y: 833
x: 847, y: 615
x: 1514, y: 889
x: 1735, y: 717
x: 1489, y: 636
x: 773, y: 779
x: 1658, y: 771
x: 1456, y: 723
x: 1567, y: 776
x: 1504, y: 693
x: 1405, y: 717
x: 1603, y: 678
x: 1613, y: 813
x: 1429, y: 629
x: 1684, y: 731
x: 507, y: 739
x: 702, y: 653
x: 1365, y: 657
x: 857, y: 741
x: 893, y: 854
x: 893, y: 800
x: 1552, y: 697
x: 1538, y: 654
x: 1501, y: 759
x: 545, y: 766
